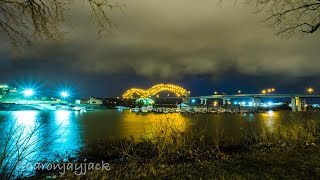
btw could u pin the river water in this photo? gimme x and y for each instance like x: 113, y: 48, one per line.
x: 65, y: 131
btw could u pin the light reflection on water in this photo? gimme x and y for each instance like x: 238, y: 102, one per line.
x: 270, y: 120
x: 71, y: 129
x: 59, y: 130
x: 149, y: 124
x: 65, y: 131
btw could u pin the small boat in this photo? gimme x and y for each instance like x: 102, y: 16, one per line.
x: 76, y: 108
x: 144, y: 109
x: 88, y: 109
x: 159, y: 110
x: 136, y: 109
x: 122, y: 107
x: 150, y: 108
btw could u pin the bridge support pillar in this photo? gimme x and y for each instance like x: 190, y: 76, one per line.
x: 304, y: 104
x: 225, y: 101
x: 298, y: 104
x: 293, y: 104
x: 256, y: 102
x: 185, y: 100
x: 203, y: 101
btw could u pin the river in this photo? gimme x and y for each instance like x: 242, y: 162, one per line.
x: 65, y: 131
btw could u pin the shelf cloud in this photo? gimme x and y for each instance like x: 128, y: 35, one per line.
x: 170, y: 39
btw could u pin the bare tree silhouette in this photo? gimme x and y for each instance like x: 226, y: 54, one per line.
x: 289, y: 17
x: 24, y: 20
x: 22, y: 145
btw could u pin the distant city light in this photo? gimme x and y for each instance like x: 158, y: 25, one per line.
x: 3, y: 86
x: 28, y: 92
x: 215, y: 92
x: 270, y: 103
x: 243, y: 103
x: 193, y: 100
x: 235, y: 103
x: 239, y: 91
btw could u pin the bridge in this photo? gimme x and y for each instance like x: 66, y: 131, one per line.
x: 298, y: 101
x: 177, y: 90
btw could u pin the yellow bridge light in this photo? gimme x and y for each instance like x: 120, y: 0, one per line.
x: 155, y: 89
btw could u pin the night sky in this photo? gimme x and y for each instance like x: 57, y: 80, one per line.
x: 201, y: 46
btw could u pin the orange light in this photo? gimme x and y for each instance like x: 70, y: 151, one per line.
x: 310, y: 90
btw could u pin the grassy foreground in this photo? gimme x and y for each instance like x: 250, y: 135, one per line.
x: 290, y: 152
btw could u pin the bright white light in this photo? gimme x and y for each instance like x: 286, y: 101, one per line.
x: 270, y: 103
x: 235, y: 103
x: 243, y: 103
x: 64, y: 94
x: 250, y: 103
x: 28, y: 92
x: 193, y: 100
x: 270, y: 113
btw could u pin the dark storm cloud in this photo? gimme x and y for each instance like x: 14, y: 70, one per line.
x: 166, y: 39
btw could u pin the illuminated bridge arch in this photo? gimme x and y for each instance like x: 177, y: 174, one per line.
x: 131, y: 92
x: 179, y: 91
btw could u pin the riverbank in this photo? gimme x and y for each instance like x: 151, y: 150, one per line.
x: 258, y: 163
x: 289, y: 152
x: 16, y: 107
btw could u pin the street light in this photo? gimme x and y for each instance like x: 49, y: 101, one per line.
x: 269, y: 90
x: 310, y: 90
x: 239, y: 92
x: 28, y: 92
x: 64, y: 94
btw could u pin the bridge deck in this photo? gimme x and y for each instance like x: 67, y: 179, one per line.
x: 260, y: 96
